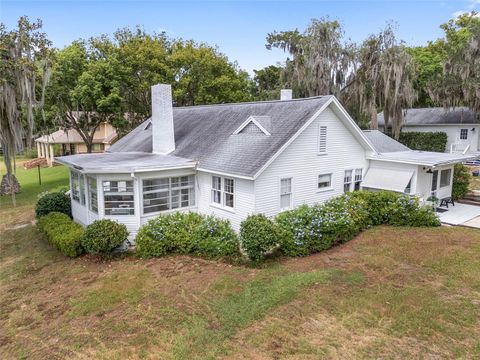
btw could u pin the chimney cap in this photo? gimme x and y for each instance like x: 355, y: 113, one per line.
x: 286, y: 94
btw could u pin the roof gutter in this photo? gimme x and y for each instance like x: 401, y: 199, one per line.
x: 420, y: 163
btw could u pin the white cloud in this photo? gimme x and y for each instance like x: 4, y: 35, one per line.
x: 472, y: 5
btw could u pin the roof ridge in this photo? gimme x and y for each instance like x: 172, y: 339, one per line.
x: 254, y: 102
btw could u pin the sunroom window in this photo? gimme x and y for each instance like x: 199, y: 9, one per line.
x: 92, y: 194
x: 118, y: 197
x: 78, y: 187
x: 168, y: 193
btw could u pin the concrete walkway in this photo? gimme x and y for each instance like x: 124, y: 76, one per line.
x: 461, y: 214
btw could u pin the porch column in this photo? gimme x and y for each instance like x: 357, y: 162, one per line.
x: 51, y: 155
x: 44, y: 150
x: 38, y: 150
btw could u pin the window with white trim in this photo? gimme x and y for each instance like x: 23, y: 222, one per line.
x: 445, y: 177
x: 358, y: 179
x: 347, y: 180
x: 463, y: 134
x: 285, y: 193
x: 322, y: 139
x: 77, y: 187
x: 164, y: 194
x: 92, y: 194
x: 118, y: 197
x: 324, y: 181
x: 223, y: 191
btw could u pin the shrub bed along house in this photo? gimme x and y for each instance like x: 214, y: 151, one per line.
x: 187, y: 233
x: 62, y: 232
x: 103, y: 236
x: 309, y: 229
x: 53, y: 201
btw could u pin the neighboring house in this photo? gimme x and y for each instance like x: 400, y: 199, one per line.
x: 461, y: 125
x: 232, y: 160
x: 72, y: 143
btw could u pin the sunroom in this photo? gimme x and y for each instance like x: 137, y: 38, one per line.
x: 130, y: 188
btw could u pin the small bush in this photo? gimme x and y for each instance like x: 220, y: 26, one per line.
x: 54, y: 201
x: 461, y: 181
x: 62, y: 232
x: 102, y: 236
x: 258, y: 235
x: 186, y: 233
x: 214, y: 237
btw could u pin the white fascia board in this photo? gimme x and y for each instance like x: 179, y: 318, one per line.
x: 221, y: 173
x: 422, y: 163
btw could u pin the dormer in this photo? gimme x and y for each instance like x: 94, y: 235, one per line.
x: 255, y: 124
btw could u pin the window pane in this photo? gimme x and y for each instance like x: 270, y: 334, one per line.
x: 75, y: 186
x: 324, y: 181
x: 216, y: 196
x: 216, y: 183
x: 229, y: 200
x: 118, y: 197
x: 285, y: 201
x: 229, y: 185
x: 286, y: 186
x: 82, y: 189
x: 445, y: 176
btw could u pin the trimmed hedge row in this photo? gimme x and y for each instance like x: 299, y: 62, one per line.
x: 309, y: 229
x: 103, y: 236
x: 425, y: 141
x: 53, y: 201
x: 62, y: 232
x: 187, y: 233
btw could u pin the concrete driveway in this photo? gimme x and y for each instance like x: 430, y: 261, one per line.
x: 461, y: 214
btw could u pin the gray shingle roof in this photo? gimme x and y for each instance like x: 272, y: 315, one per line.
x: 436, y: 116
x: 123, y: 162
x: 205, y: 133
x: 383, y: 143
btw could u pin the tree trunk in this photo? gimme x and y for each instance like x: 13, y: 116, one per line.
x: 9, y: 185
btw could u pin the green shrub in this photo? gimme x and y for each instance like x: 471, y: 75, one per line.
x: 62, y: 232
x: 406, y: 211
x: 461, y: 181
x: 186, y: 233
x: 377, y: 204
x: 102, y: 236
x: 425, y: 141
x: 214, y: 237
x: 54, y: 201
x: 258, y: 235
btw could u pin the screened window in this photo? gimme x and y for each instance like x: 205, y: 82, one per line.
x: 92, y: 194
x: 78, y: 187
x: 223, y: 191
x: 285, y: 193
x: 118, y: 197
x: 358, y: 179
x: 168, y: 193
x: 347, y: 180
x: 322, y: 139
x: 463, y: 134
x: 445, y: 177
x: 324, y: 181
x: 216, y: 189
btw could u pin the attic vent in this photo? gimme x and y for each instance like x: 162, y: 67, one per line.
x: 322, y: 139
x: 255, y: 125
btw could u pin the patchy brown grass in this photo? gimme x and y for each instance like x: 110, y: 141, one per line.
x: 389, y: 293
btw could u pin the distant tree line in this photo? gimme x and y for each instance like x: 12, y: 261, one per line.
x: 108, y: 78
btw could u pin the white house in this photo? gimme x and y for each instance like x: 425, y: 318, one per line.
x: 461, y: 125
x: 232, y: 160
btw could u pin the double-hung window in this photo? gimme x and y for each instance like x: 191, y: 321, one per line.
x: 347, y: 180
x: 92, y: 194
x: 164, y: 194
x: 463, y: 134
x: 77, y: 187
x: 324, y: 181
x: 285, y: 193
x: 358, y: 179
x: 223, y: 191
x: 118, y: 197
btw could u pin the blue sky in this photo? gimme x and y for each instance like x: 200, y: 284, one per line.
x: 238, y: 28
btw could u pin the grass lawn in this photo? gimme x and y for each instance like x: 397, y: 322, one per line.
x: 389, y: 293
x: 23, y: 213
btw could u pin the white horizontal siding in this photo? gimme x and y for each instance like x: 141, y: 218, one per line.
x: 79, y: 213
x: 303, y: 163
x: 244, y: 199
